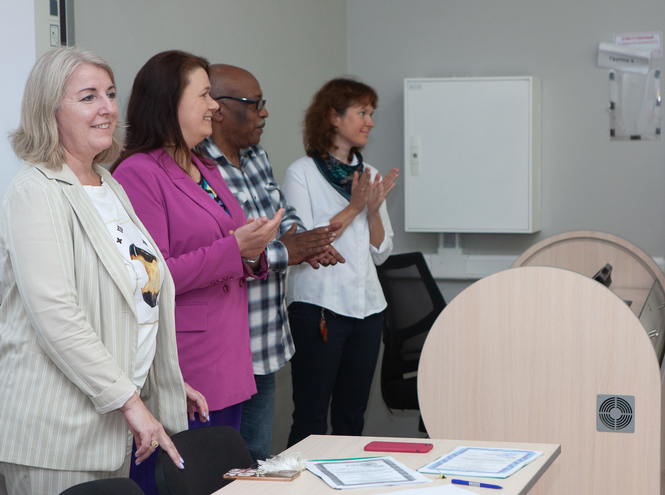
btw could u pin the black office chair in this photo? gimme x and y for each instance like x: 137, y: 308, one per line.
x: 209, y: 453
x: 110, y: 486
x: 414, y: 303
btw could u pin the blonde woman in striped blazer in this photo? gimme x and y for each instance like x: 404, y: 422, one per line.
x: 72, y: 337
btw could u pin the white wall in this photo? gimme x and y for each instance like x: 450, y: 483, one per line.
x: 588, y: 182
x: 17, y: 37
x: 291, y: 46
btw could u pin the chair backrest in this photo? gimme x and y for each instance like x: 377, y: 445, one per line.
x: 110, y: 486
x: 209, y: 453
x: 414, y: 302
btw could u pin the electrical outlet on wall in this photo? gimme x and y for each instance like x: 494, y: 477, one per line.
x: 55, y: 35
x: 449, y: 240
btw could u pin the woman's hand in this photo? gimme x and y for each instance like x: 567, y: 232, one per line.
x: 379, y: 190
x: 148, y: 432
x: 360, y: 194
x: 254, y: 236
x: 360, y: 191
x: 196, y: 403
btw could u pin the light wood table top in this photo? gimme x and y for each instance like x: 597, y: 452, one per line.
x: 331, y: 447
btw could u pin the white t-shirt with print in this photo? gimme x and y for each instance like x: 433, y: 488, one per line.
x: 143, y: 268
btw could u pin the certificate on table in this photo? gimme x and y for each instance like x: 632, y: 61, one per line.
x: 481, y: 462
x: 365, y: 473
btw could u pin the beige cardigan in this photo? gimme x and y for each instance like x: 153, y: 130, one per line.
x: 68, y: 329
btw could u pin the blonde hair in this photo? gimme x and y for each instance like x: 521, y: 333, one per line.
x: 36, y: 140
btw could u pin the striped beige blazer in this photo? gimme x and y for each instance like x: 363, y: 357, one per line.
x: 68, y: 329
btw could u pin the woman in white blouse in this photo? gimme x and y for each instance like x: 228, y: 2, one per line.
x: 336, y: 315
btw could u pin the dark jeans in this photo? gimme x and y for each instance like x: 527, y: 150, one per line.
x: 257, y: 417
x: 341, y: 368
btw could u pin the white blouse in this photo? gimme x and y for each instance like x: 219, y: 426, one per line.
x: 350, y: 289
x: 143, y: 268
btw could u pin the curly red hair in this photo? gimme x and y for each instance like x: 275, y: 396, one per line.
x: 338, y: 95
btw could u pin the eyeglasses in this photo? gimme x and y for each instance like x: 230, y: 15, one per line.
x: 259, y: 103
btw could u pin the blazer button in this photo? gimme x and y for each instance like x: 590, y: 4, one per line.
x: 227, y: 288
x: 242, y: 282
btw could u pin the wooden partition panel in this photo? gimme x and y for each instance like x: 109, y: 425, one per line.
x: 587, y: 251
x: 521, y: 356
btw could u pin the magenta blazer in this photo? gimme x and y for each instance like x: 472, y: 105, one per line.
x: 192, y: 232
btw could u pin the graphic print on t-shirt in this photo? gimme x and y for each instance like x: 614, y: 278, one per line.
x: 150, y: 290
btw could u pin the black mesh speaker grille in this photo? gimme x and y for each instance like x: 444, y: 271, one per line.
x: 615, y: 413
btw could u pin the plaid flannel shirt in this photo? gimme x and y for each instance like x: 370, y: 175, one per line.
x: 256, y: 190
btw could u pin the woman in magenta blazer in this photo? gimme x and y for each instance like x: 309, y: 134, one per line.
x: 199, y: 227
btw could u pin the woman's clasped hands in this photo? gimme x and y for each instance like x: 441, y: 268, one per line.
x: 365, y: 192
x: 254, y: 236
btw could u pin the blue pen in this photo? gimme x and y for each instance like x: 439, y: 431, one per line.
x: 475, y: 483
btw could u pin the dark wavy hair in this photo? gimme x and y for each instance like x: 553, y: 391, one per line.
x: 338, y: 94
x: 152, y: 112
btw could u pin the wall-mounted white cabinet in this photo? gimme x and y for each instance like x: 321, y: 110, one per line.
x: 472, y: 154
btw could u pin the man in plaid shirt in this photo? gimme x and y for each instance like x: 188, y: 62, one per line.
x: 234, y: 146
